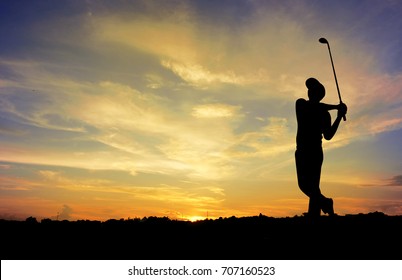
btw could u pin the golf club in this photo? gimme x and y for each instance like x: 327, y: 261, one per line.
x: 325, y: 41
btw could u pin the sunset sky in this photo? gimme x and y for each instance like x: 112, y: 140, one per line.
x: 185, y: 109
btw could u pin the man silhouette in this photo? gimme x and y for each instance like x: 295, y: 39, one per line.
x: 314, y: 122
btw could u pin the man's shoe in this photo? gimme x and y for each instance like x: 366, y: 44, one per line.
x: 328, y: 207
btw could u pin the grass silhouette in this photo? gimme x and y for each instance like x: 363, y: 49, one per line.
x: 362, y: 236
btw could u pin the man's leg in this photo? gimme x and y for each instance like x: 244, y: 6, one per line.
x: 307, y: 170
x: 314, y: 177
x: 314, y: 206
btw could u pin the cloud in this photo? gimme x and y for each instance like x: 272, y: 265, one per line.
x: 65, y: 213
x: 179, y: 93
x: 275, y: 137
x: 198, y: 75
x: 48, y: 174
x: 13, y: 184
x: 170, y: 36
x: 215, y: 111
x: 90, y: 194
x: 5, y: 166
x: 395, y: 181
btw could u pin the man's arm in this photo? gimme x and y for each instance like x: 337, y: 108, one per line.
x: 300, y: 106
x: 328, y: 107
x: 328, y: 129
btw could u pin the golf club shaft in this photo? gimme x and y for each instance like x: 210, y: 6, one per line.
x: 336, y: 80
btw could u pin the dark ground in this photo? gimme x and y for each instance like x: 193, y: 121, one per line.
x: 373, y: 236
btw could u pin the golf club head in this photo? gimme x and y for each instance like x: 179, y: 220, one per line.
x: 323, y: 41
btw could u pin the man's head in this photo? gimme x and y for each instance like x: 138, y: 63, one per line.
x: 316, y: 91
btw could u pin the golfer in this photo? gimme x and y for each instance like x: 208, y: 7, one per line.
x: 314, y: 122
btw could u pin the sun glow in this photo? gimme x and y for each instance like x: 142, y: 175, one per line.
x: 195, y: 218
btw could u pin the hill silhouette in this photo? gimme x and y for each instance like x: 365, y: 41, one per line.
x: 362, y: 236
